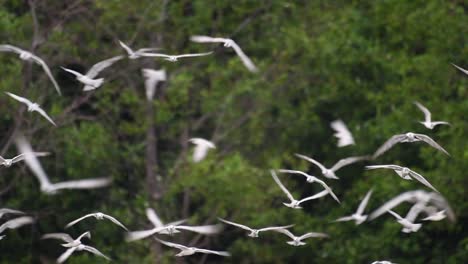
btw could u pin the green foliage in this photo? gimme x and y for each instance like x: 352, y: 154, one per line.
x: 362, y: 61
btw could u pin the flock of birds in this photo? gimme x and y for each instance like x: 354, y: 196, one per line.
x: 432, y: 204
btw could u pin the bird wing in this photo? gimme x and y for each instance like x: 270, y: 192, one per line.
x: 2, y: 160
x: 330, y: 191
x: 95, y: 252
x: 436, y: 123
x: 388, y: 144
x: 344, y: 219
x: 207, y: 39
x: 60, y: 236
x: 84, y: 184
x: 19, y: 98
x: 312, y: 234
x: 20, y: 157
x: 176, y: 223
x: 137, y: 235
x: 427, y: 114
x: 17, y: 222
x: 315, y: 196
x: 44, y: 114
x: 65, y: 255
x: 273, y: 228
x: 32, y: 161
x: 245, y: 60
x: 152, y: 77
x: 273, y: 174
x: 414, y: 211
x: 397, y: 216
x: 170, y: 244
x: 205, y: 230
x: 235, y: 224
x: 10, y: 48
x: 364, y: 202
x: 126, y: 48
x: 153, y: 217
x: 347, y: 161
x: 431, y: 142
x: 98, y: 67
x: 193, y: 55
x: 295, y: 172
x: 389, y: 166
x: 115, y: 221
x: 4, y: 211
x: 421, y: 179
x: 199, y: 153
x: 318, y: 164
x: 77, y: 74
x: 406, y: 196
x: 47, y: 71
x: 207, y: 251
x: 460, y: 68
x: 286, y: 232
x: 78, y: 220
x: 343, y: 134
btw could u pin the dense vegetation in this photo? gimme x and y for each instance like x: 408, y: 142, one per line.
x: 362, y: 61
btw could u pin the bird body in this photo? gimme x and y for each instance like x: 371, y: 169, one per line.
x: 28, y: 56
x: 187, y: 251
x: 228, y: 43
x: 255, y: 232
x: 330, y: 173
x: 358, y: 216
x: 201, y: 148
x: 404, y: 173
x: 428, y: 123
x: 32, y: 107
x: 408, y: 226
x: 297, y: 240
x: 98, y: 216
x: 312, y: 179
x: 407, y: 137
x: 45, y: 184
x: 345, y: 138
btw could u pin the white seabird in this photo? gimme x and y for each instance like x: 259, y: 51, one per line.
x: 32, y: 106
x: 428, y: 123
x: 345, y: 138
x: 254, y: 232
x: 330, y: 173
x: 358, y: 216
x: 228, y: 43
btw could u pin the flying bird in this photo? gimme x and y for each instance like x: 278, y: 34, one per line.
x: 427, y: 117
x: 16, y: 223
x: 416, y: 197
x: 158, y: 227
x: 28, y: 56
x: 152, y: 78
x: 345, y: 138
x: 312, y: 179
x: 255, y: 232
x: 174, y: 58
x: 408, y: 137
x: 187, y: 251
x: 4, y: 211
x: 201, y: 148
x: 73, y: 245
x: 383, y: 262
x: 358, y: 216
x: 228, y: 43
x: 136, y: 54
x: 98, y: 216
x: 408, y: 226
x: 8, y: 162
x: 88, y: 78
x: 52, y: 188
x: 405, y: 173
x: 296, y: 203
x: 330, y: 173
x: 297, y: 240
x: 32, y: 106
